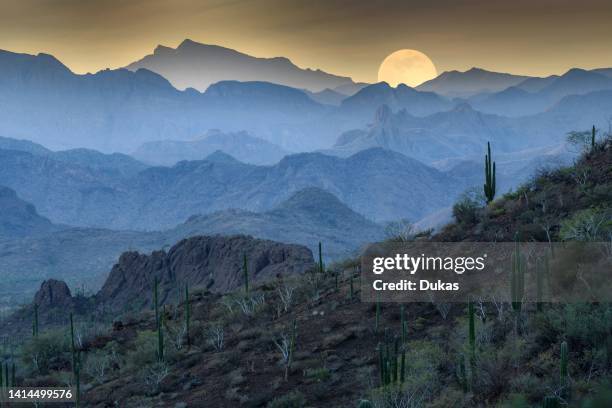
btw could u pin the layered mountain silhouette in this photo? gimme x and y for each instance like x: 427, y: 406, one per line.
x: 471, y: 82
x: 415, y: 102
x: 380, y: 184
x: 118, y: 110
x: 241, y: 145
x: 196, y: 65
x: 32, y: 248
x: 536, y: 95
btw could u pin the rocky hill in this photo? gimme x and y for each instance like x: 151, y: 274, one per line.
x: 214, y: 263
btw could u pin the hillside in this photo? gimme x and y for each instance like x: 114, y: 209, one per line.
x: 234, y: 355
x: 197, y: 65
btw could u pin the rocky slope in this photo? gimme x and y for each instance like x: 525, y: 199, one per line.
x: 215, y: 263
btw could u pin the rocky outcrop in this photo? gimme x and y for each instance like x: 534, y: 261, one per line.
x: 54, y: 294
x: 208, y: 262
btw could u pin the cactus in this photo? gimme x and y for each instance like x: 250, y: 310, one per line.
x: 539, y: 284
x: 462, y: 373
x: 13, y: 381
x: 377, y: 321
x: 321, y: 264
x: 245, y: 273
x: 517, y: 276
x: 158, y: 321
x: 160, y: 336
x: 489, y: 186
x: 472, y: 330
x: 392, y: 367
x: 593, y: 138
x: 550, y: 402
x: 403, y: 324
x: 76, y: 363
x: 352, y: 278
x: 35, y: 321
x: 563, y: 367
x: 403, y: 366
x: 292, y: 342
x: 187, y: 316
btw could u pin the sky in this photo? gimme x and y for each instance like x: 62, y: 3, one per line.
x: 349, y: 38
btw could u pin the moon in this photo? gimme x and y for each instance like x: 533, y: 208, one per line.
x: 410, y: 67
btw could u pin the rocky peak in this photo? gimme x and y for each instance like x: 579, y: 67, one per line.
x: 211, y: 262
x: 54, y: 294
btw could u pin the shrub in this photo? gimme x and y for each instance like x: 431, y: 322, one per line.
x: 47, y: 351
x: 467, y: 210
x: 294, y: 399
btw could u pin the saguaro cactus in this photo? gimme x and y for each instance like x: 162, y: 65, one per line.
x: 245, y: 270
x: 35, y: 321
x: 489, y: 185
x: 563, y: 366
x: 321, y: 266
x: 187, y: 316
x: 517, y: 281
x: 472, y: 330
x: 593, y: 138
x: 403, y: 324
x: 76, y: 363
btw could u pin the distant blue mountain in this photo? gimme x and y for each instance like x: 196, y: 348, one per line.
x: 415, y: 102
x: 197, y: 65
x: 536, y: 95
x: 118, y: 110
x: 474, y: 81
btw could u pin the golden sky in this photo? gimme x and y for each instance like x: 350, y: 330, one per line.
x: 535, y: 37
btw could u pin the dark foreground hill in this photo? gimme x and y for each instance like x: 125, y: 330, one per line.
x: 234, y: 355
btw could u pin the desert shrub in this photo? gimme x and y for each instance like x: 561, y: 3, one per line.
x: 468, y: 209
x: 588, y: 225
x: 97, y: 364
x: 144, y: 350
x: 49, y: 350
x: 152, y: 375
x: 294, y: 399
x: 318, y: 374
x: 400, y: 231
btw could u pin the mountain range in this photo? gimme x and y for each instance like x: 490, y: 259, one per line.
x: 119, y: 110
x: 32, y: 248
x: 197, y: 65
x: 241, y: 145
x: 162, y: 197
